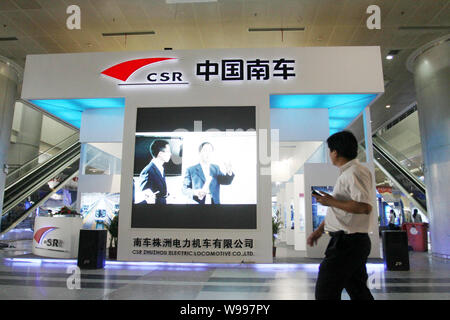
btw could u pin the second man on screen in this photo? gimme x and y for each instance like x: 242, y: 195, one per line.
x: 202, y: 181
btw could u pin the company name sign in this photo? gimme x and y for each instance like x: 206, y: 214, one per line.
x: 228, y: 70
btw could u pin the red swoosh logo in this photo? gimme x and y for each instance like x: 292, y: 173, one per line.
x: 38, y: 235
x: 124, y: 70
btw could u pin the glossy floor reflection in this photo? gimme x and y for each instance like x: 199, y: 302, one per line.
x: 23, y: 276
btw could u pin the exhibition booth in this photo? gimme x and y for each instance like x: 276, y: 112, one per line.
x: 149, y: 121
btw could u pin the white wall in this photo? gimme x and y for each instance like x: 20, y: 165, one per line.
x: 102, y: 125
x: 300, y: 124
x: 289, y: 198
x: 299, y: 207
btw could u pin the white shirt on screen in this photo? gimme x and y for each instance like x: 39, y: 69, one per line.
x: 354, y: 183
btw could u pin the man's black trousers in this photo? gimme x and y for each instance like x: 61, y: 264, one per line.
x: 344, y: 267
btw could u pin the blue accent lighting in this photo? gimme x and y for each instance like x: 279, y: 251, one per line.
x: 70, y: 110
x: 342, y: 108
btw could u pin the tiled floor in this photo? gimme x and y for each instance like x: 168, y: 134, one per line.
x: 429, y: 278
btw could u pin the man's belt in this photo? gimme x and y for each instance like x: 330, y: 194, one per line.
x: 342, y: 232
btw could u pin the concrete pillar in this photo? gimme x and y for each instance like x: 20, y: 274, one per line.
x: 431, y: 67
x: 10, y: 80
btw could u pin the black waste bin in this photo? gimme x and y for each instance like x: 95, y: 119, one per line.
x: 92, y: 249
x: 395, y: 250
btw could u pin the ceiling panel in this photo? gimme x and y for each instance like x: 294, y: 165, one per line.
x: 47, y: 23
x: 111, y: 16
x: 49, y: 44
x: 341, y: 35
x: 401, y: 13
x: 7, y: 5
x: 318, y: 35
x: 443, y: 17
x: 231, y: 11
x: 27, y: 4
x: 430, y: 10
x: 40, y: 26
x: 327, y: 12
x: 135, y: 16
x: 160, y: 13
x: 21, y: 23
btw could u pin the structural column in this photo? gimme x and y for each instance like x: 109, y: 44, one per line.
x: 431, y: 68
x: 10, y: 78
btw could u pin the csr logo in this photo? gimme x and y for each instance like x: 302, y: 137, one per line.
x: 54, y: 243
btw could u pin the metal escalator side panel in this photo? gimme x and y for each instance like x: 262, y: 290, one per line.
x: 51, y: 168
x: 51, y: 171
x: 35, y: 170
x: 9, y: 222
x: 402, y: 181
x: 17, y: 174
x: 399, y: 166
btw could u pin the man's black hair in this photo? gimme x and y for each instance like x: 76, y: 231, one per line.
x: 203, y: 144
x: 345, y: 144
x: 157, y: 146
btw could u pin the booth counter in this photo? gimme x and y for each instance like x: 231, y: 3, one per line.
x: 56, y: 237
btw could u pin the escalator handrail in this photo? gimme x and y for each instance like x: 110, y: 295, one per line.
x: 16, y: 190
x: 402, y: 189
x: 38, y: 203
x: 40, y: 166
x: 59, y: 167
x: 44, y: 174
x: 382, y: 143
x: 419, y: 184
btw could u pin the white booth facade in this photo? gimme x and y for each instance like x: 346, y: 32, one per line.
x: 122, y: 99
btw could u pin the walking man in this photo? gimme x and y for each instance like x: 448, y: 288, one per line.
x: 347, y: 222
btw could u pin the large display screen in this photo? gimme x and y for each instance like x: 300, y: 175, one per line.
x: 319, y: 211
x: 195, y: 167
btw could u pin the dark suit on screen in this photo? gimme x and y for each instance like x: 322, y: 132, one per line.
x: 151, y: 178
x: 195, y: 179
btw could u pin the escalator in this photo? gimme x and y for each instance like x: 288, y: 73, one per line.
x: 28, y: 190
x: 410, y: 185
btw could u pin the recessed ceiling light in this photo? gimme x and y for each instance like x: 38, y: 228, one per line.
x: 388, y: 106
x: 391, y: 54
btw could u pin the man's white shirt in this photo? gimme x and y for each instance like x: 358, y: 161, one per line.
x: 354, y: 183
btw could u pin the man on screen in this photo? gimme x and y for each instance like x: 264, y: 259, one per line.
x: 202, y: 181
x: 152, y: 180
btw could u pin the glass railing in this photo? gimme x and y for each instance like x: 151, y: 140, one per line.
x: 401, y: 139
x: 22, y: 208
x: 411, y: 164
x: 35, y: 138
x: 409, y: 185
x: 30, y: 182
x: 19, y: 172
